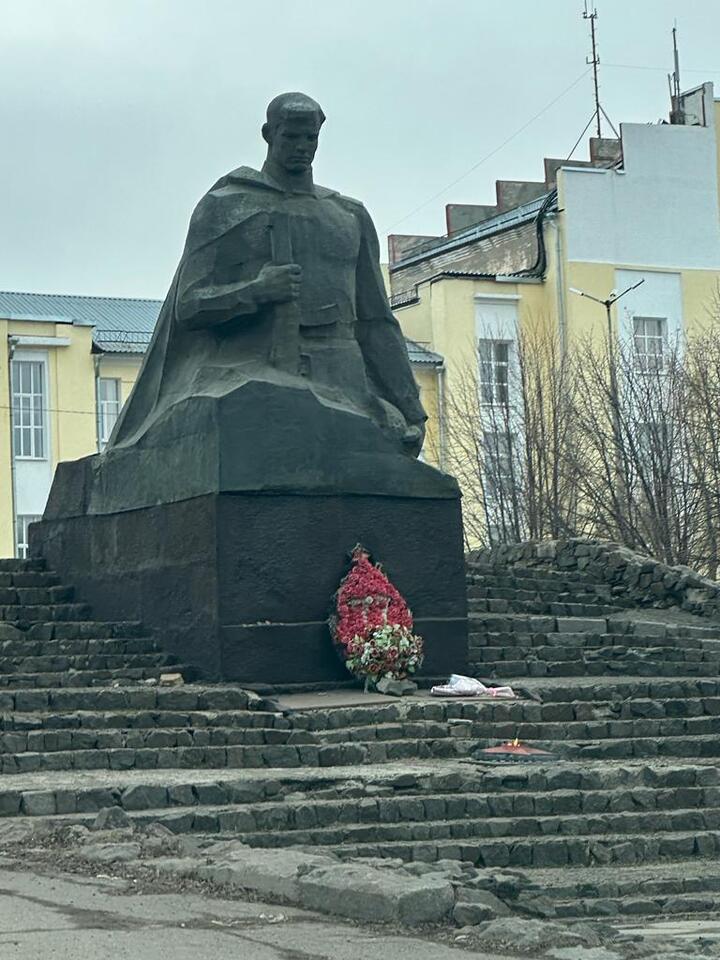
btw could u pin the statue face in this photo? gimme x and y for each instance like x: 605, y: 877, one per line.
x: 293, y: 142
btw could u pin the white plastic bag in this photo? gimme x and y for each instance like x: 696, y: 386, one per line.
x: 460, y: 686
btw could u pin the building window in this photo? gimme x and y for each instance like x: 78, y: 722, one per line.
x: 658, y: 447
x: 494, y: 360
x: 22, y: 528
x: 108, y: 408
x: 29, y: 409
x: 649, y: 337
x: 498, y: 466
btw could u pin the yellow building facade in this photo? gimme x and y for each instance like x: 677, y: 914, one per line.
x: 67, y: 364
x: 643, y: 207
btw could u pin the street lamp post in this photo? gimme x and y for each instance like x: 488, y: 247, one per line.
x: 614, y: 398
x: 608, y: 304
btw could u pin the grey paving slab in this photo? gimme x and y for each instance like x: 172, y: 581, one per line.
x: 82, y: 779
x: 356, y: 698
x: 687, y: 929
x: 71, y: 918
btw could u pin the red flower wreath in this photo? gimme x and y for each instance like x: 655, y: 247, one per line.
x: 372, y: 625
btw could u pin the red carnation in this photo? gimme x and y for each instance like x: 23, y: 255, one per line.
x: 371, y: 616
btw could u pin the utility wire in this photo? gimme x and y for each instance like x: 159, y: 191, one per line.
x: 638, y: 66
x: 89, y: 413
x: 612, y: 125
x: 577, y: 142
x: 492, y: 153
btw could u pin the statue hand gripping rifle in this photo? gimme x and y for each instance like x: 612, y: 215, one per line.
x: 280, y: 282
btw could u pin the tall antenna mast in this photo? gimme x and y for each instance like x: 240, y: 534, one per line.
x: 595, y: 62
x: 674, y: 83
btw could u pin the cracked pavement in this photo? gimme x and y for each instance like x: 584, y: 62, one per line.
x: 92, y: 918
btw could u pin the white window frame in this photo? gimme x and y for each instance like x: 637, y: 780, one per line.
x: 492, y: 387
x: 22, y: 539
x: 647, y: 360
x: 108, y: 409
x: 24, y: 403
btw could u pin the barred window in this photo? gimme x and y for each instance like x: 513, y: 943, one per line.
x: 22, y: 529
x: 494, y: 361
x: 650, y: 337
x: 29, y: 409
x: 108, y: 408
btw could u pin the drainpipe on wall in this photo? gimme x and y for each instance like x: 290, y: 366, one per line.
x: 560, y: 288
x: 96, y: 364
x: 441, y: 415
x: 12, y: 342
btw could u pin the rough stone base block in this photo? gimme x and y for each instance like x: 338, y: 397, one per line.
x: 241, y: 585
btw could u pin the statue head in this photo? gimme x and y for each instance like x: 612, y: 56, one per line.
x: 291, y: 131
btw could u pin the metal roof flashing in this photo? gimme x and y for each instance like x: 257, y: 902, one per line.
x: 121, y: 326
x: 502, y: 222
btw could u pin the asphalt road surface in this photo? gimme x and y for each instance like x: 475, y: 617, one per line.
x: 68, y: 917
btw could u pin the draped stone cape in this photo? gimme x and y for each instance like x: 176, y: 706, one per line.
x: 210, y: 338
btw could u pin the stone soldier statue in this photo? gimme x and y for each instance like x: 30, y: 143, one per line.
x: 280, y: 283
x: 275, y: 423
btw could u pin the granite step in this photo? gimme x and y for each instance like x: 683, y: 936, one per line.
x: 489, y: 711
x: 512, y: 623
x: 686, y: 887
x: 385, y: 795
x: 90, y: 678
x: 32, y: 613
x: 87, y: 738
x: 587, y: 639
x: 80, y: 646
x: 449, y: 717
x: 547, y: 731
x: 67, y: 700
x: 14, y: 565
x: 566, y: 609
x: 85, y: 720
x: 478, y: 569
x: 525, y: 852
x: 36, y: 578
x: 178, y: 748
x: 64, y: 663
x: 240, y: 756
x: 28, y: 596
x: 512, y: 670
x: 562, y: 631
x: 522, y: 841
x: 662, y: 906
x: 470, y: 827
x: 497, y: 654
x: 598, y: 647
x: 695, y: 746
x: 619, y: 688
x: 555, y: 594
x: 90, y: 629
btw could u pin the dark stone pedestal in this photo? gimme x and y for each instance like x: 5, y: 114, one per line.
x: 227, y: 527
x: 240, y: 585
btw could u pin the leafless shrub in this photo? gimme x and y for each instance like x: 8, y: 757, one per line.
x: 593, y: 440
x: 508, y: 443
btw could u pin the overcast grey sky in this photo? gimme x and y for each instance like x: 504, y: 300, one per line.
x: 116, y: 115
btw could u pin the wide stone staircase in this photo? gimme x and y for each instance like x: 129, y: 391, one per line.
x: 622, y: 819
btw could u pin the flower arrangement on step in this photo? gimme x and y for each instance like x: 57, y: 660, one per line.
x: 372, y: 626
